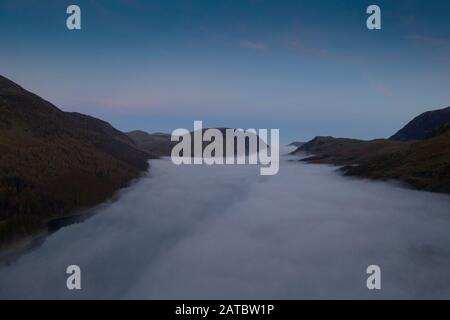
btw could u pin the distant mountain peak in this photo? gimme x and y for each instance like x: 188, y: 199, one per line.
x: 296, y: 144
x: 423, y: 125
x: 53, y: 162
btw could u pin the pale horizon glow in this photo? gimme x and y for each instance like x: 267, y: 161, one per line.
x: 309, y: 68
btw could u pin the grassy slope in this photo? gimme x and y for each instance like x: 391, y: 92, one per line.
x: 423, y: 164
x: 53, y: 162
x: 159, y: 143
x: 162, y: 145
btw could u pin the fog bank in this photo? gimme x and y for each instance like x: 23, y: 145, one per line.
x: 226, y: 232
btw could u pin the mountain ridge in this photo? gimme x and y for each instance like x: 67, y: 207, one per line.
x: 423, y: 164
x: 53, y: 163
x: 423, y: 125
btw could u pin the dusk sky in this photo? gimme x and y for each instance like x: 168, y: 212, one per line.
x: 306, y: 67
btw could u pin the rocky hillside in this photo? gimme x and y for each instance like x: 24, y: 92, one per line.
x: 423, y: 125
x: 227, y: 143
x: 296, y: 144
x: 157, y: 143
x: 53, y: 162
x: 343, y: 151
x: 423, y: 164
x: 161, y: 145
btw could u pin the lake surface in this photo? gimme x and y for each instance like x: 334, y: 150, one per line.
x: 226, y: 232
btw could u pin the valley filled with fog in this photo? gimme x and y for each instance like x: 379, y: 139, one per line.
x: 209, y: 232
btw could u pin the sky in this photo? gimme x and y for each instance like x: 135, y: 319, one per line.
x: 305, y: 67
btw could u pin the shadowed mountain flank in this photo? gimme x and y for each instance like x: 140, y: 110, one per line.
x: 423, y: 164
x: 157, y: 143
x: 54, y: 162
x: 161, y: 144
x: 423, y: 125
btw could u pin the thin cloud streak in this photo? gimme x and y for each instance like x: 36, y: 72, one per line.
x: 248, y: 44
x: 433, y: 41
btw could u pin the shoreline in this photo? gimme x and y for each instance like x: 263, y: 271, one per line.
x: 362, y: 171
x: 13, y: 250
